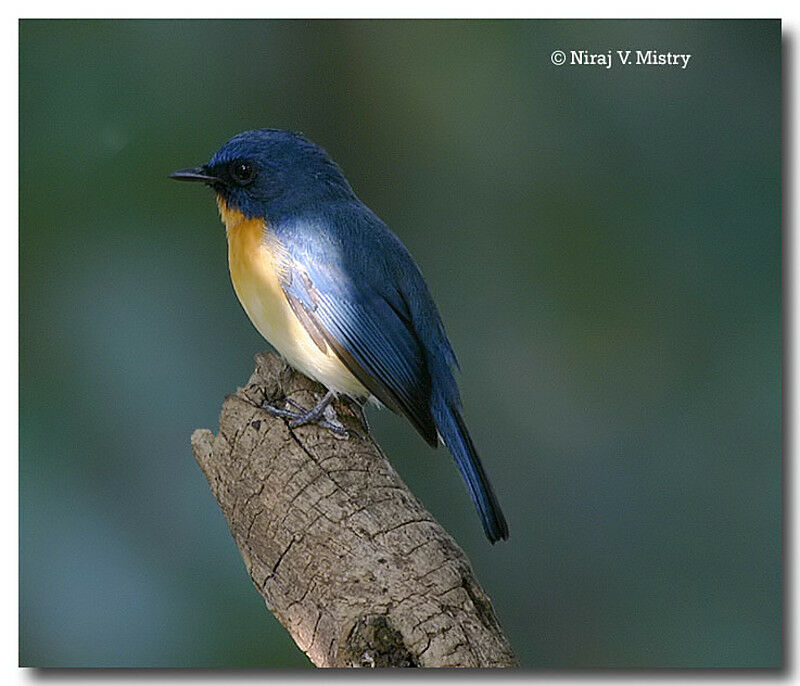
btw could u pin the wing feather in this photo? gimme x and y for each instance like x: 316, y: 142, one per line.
x: 368, y: 334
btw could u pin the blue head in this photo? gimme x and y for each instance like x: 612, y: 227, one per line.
x: 266, y: 172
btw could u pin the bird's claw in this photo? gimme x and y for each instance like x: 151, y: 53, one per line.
x: 321, y: 414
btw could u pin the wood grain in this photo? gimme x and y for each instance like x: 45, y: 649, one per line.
x: 344, y: 555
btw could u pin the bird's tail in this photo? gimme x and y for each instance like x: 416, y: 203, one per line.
x: 456, y: 437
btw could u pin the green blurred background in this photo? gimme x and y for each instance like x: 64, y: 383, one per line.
x: 605, y: 248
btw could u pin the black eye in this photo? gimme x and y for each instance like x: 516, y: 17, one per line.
x: 242, y: 172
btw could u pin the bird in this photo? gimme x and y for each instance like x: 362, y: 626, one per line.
x: 337, y: 294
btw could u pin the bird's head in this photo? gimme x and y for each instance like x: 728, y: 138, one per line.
x: 265, y: 172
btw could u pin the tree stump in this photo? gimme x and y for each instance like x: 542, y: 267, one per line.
x: 344, y: 555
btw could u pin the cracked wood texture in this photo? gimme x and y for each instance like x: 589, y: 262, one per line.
x: 345, y: 556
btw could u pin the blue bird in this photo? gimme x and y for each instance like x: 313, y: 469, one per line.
x: 337, y: 294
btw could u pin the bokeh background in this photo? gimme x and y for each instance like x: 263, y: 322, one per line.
x: 605, y: 248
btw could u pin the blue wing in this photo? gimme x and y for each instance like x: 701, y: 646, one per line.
x: 371, y: 306
x: 341, y: 300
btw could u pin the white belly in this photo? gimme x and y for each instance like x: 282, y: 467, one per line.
x: 253, y: 262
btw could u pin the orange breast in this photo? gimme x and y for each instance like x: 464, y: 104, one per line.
x: 256, y: 260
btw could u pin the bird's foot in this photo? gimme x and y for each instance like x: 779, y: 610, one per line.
x: 322, y: 414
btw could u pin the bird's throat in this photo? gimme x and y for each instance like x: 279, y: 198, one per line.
x: 232, y: 218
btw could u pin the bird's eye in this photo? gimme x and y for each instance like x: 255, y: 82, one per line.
x: 242, y: 172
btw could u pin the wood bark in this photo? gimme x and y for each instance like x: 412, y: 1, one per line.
x: 345, y: 556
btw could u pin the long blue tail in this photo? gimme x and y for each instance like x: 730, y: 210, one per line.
x: 456, y: 437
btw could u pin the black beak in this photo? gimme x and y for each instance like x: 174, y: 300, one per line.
x: 193, y: 174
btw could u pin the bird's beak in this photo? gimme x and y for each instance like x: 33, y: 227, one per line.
x: 193, y: 174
